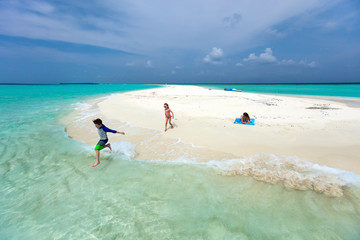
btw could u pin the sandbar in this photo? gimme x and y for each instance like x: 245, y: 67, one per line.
x: 323, y: 131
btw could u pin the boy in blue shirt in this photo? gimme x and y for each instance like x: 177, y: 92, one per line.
x: 102, y: 130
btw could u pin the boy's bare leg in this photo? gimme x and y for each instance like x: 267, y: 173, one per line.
x: 97, y: 158
x: 109, y: 146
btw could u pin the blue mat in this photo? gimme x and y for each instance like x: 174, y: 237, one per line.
x: 232, y: 90
x: 252, y: 121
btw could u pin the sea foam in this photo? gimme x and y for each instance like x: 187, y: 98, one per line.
x: 124, y: 148
x: 292, y: 172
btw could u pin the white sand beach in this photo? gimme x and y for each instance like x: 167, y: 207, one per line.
x: 317, y: 130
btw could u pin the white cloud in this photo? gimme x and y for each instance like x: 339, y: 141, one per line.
x: 144, y: 27
x: 39, y: 6
x: 173, y: 72
x: 275, y: 33
x: 149, y: 64
x: 215, y: 56
x: 239, y: 64
x: 233, y: 20
x: 265, y: 57
x: 287, y: 62
x: 312, y: 64
x: 331, y: 25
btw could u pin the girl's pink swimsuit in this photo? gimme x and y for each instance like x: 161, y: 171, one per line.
x: 167, y: 111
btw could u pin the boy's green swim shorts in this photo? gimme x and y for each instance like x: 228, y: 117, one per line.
x: 98, y: 147
x: 101, y: 144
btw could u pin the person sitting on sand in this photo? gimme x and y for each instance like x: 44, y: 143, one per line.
x: 168, y: 116
x: 102, y: 130
x: 245, y: 118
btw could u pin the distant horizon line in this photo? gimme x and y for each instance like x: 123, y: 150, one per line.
x: 307, y: 83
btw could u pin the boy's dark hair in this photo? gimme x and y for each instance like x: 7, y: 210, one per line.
x: 98, y: 121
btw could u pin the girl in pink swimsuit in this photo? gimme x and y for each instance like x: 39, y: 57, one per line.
x: 168, y: 116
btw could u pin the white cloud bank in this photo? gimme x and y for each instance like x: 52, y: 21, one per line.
x: 267, y: 57
x: 215, y: 56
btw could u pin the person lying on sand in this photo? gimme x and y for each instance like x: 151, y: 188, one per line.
x: 245, y: 118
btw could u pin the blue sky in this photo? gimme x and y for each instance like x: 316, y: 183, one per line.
x: 159, y: 41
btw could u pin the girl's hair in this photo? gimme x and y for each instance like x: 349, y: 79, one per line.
x: 166, y: 104
x: 246, y: 115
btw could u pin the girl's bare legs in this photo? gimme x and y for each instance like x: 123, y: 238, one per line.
x: 170, y: 123
x: 166, y: 121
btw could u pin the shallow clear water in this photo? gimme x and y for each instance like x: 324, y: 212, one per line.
x: 338, y: 90
x: 49, y: 191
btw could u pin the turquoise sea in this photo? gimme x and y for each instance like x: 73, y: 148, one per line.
x: 332, y: 90
x: 49, y: 191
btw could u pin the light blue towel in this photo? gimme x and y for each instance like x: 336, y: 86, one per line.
x: 238, y: 121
